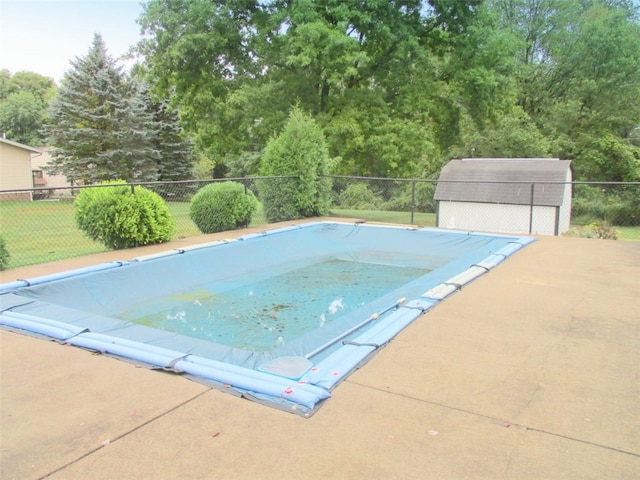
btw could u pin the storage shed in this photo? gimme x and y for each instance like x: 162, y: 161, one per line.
x: 509, y: 195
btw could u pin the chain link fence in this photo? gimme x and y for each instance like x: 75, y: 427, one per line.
x: 38, y: 224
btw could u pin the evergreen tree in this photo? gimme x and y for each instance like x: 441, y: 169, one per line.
x: 300, y: 151
x: 139, y: 140
x: 176, y: 160
x: 99, y: 127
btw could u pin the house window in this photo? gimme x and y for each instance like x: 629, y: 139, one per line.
x: 38, y: 178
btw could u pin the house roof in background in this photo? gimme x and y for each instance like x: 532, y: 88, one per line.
x: 20, y: 145
x: 504, y: 180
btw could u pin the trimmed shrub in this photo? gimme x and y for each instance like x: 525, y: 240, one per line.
x: 119, y: 218
x: 301, y: 151
x: 222, y: 206
x: 4, y: 254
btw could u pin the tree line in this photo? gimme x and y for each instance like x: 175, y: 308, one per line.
x: 397, y: 87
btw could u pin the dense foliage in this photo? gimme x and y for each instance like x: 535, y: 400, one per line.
x: 24, y: 100
x: 222, y: 206
x: 300, y: 151
x: 4, y: 254
x: 400, y: 87
x: 121, y: 218
x: 359, y: 196
x: 397, y: 88
x: 104, y: 126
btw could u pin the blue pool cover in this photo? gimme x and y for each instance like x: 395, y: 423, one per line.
x: 86, y: 307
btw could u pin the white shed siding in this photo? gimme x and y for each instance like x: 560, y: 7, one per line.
x: 544, y: 220
x: 489, y: 217
x: 564, y: 223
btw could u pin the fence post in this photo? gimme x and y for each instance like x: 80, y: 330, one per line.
x: 531, y: 209
x: 413, y: 198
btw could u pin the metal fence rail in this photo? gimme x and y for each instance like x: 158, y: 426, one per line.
x: 38, y: 224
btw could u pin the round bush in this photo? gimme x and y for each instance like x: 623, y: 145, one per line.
x: 4, y: 255
x: 119, y: 218
x: 222, y: 206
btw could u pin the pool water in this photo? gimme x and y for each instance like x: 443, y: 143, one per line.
x: 268, y: 313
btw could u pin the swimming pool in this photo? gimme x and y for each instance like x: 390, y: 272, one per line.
x: 280, y: 317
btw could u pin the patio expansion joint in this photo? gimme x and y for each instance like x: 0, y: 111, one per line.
x: 126, y: 434
x: 497, y: 419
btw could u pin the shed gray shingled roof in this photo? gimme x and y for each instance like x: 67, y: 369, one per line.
x: 486, y: 180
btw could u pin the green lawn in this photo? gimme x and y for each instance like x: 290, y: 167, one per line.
x: 185, y: 227
x: 429, y: 220
x: 45, y: 231
x: 628, y: 233
x: 422, y: 219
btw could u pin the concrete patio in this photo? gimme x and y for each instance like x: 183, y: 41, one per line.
x: 530, y: 372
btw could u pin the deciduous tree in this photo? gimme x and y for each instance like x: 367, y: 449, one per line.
x: 236, y: 67
x: 24, y: 100
x: 22, y: 118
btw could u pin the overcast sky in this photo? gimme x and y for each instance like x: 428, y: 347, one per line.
x: 44, y: 36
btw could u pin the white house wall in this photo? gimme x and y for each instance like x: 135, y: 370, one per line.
x: 489, y: 217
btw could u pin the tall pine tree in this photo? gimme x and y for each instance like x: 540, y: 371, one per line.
x: 175, y: 161
x: 100, y: 128
x: 139, y: 140
x: 86, y: 118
